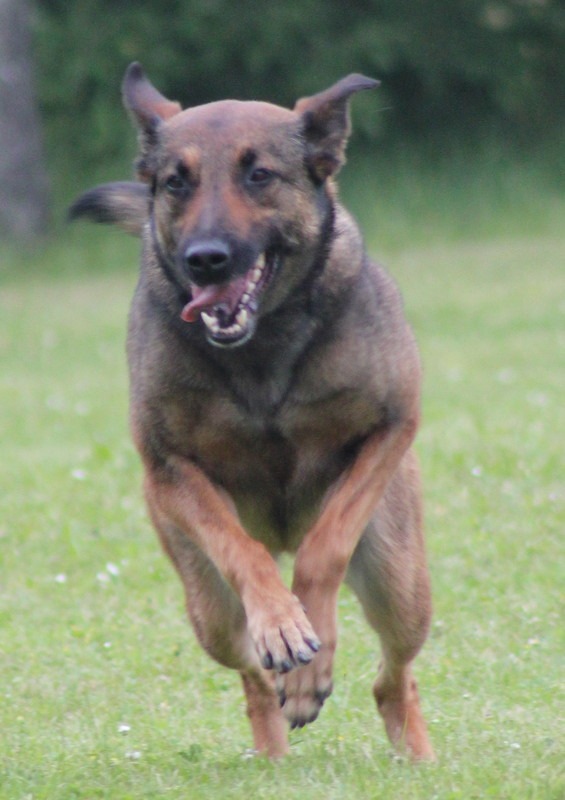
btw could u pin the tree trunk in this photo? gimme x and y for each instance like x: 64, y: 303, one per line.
x: 24, y: 187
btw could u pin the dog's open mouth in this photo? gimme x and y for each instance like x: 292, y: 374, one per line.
x: 229, y: 310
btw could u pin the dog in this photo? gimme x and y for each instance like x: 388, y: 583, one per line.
x: 275, y: 396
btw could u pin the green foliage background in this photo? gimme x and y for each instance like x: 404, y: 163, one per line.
x: 474, y: 68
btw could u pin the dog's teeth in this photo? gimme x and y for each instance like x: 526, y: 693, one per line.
x: 247, y: 305
x: 210, y: 322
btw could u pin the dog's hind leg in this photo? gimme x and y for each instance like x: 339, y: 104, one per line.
x: 220, y: 624
x: 388, y: 572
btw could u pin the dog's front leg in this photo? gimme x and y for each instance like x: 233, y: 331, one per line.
x: 324, y: 555
x: 183, y: 496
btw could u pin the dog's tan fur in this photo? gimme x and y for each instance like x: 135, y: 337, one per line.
x: 295, y: 436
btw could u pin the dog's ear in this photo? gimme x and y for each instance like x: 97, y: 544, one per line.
x: 125, y: 204
x: 326, y: 124
x: 149, y: 109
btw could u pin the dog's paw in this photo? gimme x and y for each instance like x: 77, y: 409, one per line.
x: 302, y: 693
x: 284, y: 638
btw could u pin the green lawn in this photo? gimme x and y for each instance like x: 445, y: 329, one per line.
x: 105, y: 693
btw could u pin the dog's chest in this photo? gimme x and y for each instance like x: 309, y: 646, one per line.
x: 294, y: 449
x: 276, y: 468
x: 280, y: 425
x: 274, y: 435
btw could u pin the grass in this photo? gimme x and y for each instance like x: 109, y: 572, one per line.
x: 105, y: 693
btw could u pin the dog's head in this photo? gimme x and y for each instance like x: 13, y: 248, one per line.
x: 239, y: 196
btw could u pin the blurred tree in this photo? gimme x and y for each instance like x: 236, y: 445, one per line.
x: 460, y: 66
x: 23, y: 179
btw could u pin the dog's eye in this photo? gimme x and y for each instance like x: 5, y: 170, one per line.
x: 175, y: 183
x: 260, y: 176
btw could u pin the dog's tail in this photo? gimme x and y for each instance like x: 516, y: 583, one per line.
x: 123, y: 203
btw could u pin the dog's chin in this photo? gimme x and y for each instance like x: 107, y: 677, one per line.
x: 230, y: 317
x: 235, y: 336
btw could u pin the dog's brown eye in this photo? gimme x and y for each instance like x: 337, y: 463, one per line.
x: 260, y: 176
x: 175, y: 184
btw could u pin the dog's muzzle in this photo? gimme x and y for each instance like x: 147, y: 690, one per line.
x: 228, y: 309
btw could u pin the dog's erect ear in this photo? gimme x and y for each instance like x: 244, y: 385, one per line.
x: 326, y: 123
x: 149, y: 109
x: 142, y: 99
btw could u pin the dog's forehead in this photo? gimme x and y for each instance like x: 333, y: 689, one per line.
x: 228, y: 124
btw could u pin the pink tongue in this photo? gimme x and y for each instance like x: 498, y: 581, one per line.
x: 206, y: 297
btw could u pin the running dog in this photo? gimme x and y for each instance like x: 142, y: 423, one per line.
x: 275, y: 394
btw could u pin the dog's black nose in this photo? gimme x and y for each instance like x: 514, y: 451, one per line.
x: 208, y: 261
